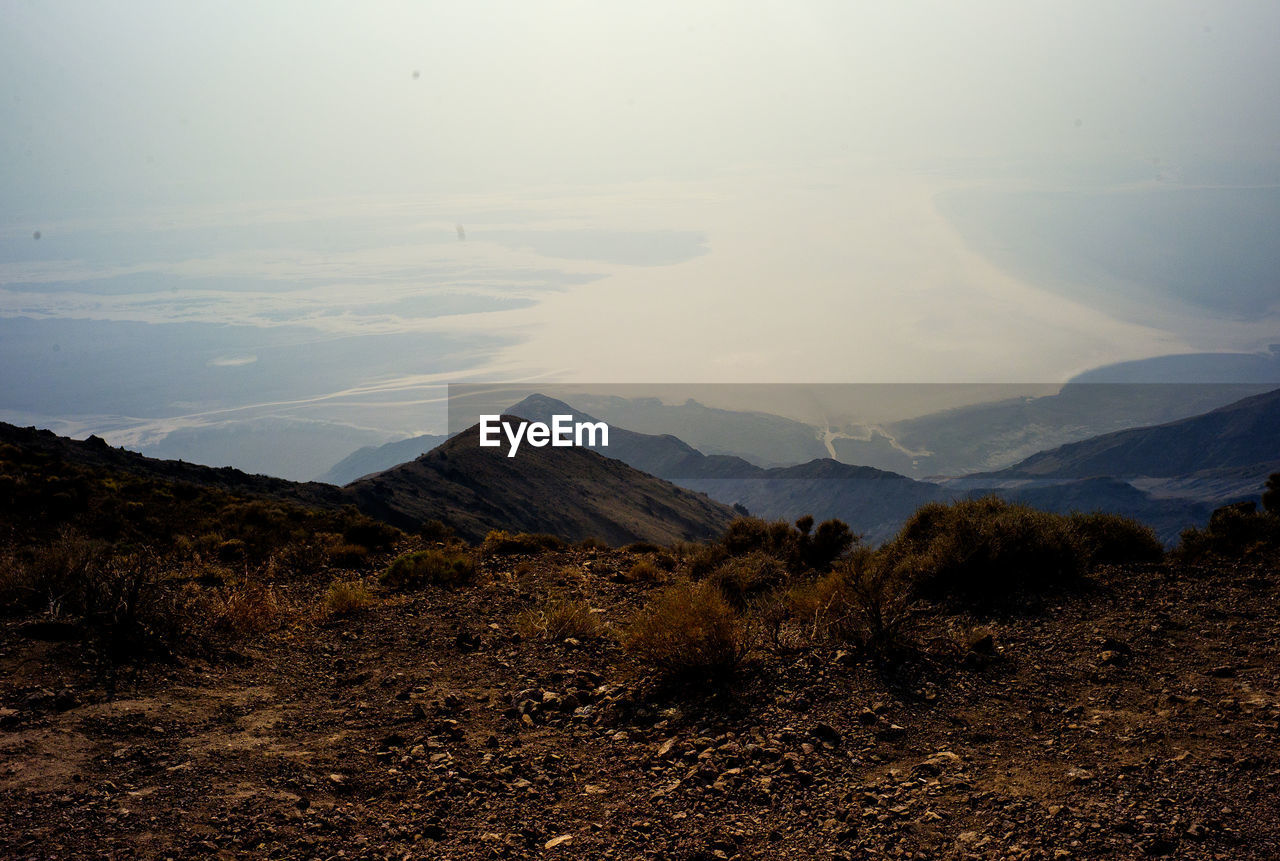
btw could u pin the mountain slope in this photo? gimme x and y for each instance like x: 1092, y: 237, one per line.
x: 571, y: 492
x: 1238, y: 435
x: 96, y: 453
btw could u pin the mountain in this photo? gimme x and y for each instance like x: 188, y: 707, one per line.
x: 571, y: 492
x: 872, y: 501
x: 992, y: 436
x: 282, y: 446
x: 375, y: 458
x: 761, y: 438
x: 1232, y: 437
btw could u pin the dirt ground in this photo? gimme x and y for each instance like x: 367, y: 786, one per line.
x: 1135, y: 719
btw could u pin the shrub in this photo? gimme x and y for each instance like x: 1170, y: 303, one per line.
x: 645, y: 570
x: 862, y: 599
x: 1271, y: 494
x: 346, y: 597
x: 435, y: 530
x: 641, y: 547
x: 502, y: 543
x: 832, y: 540
x: 743, y: 579
x: 370, y: 533
x: 800, y: 548
x: 1233, y: 530
x: 429, y: 567
x: 51, y: 577
x: 560, y: 619
x: 241, y: 609
x: 348, y: 555
x: 702, y: 559
x: 302, y: 558
x: 984, y: 548
x: 1111, y: 538
x: 592, y: 543
x: 688, y: 632
x: 755, y: 535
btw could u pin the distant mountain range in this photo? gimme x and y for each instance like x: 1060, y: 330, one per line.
x: 657, y: 487
x: 1233, y: 443
x: 375, y: 458
x: 1242, y: 434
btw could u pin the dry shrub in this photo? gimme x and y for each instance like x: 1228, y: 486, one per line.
x: 743, y: 580
x: 702, y: 559
x: 560, y: 619
x: 640, y: 548
x: 348, y: 555
x: 302, y: 558
x: 429, y: 567
x: 51, y: 578
x: 687, y: 632
x: 984, y: 549
x: 346, y: 597
x: 499, y: 542
x: 1237, y: 530
x: 645, y: 570
x: 1112, y: 538
x: 241, y: 609
x: 862, y: 600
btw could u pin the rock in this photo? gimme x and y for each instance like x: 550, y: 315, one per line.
x: 1079, y: 775
x: 557, y: 841
x: 826, y: 734
x: 891, y: 732
x: 1159, y: 846
x: 943, y: 760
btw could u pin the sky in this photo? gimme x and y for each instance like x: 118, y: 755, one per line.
x: 712, y: 191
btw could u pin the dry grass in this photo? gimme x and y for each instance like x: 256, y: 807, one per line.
x: 429, y: 567
x: 346, y: 598
x: 688, y: 632
x: 560, y: 619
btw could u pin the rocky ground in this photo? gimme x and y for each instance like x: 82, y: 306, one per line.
x: 1136, y: 719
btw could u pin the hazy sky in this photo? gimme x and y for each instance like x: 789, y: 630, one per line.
x: 117, y: 103
x: 715, y: 191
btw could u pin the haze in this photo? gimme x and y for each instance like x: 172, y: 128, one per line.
x: 736, y: 192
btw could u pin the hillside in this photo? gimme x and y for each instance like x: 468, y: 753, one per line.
x: 94, y: 453
x: 571, y: 492
x: 1234, y: 436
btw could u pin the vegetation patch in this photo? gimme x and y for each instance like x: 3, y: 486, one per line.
x: 429, y: 567
x: 560, y: 619
x: 499, y: 542
x: 346, y: 598
x: 688, y: 632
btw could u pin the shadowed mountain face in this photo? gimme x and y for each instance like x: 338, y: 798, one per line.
x: 1238, y: 435
x: 96, y: 453
x: 571, y: 492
